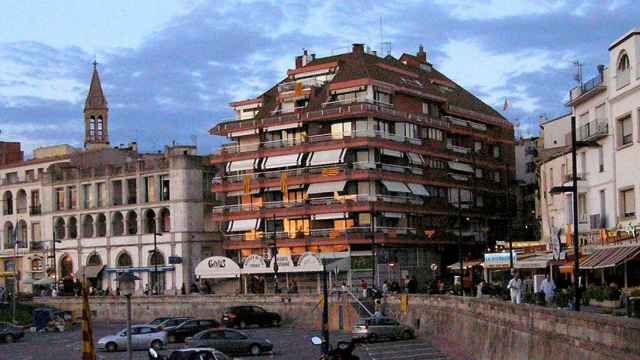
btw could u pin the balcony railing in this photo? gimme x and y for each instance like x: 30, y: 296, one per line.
x: 35, y: 210
x: 581, y: 177
x: 336, y: 109
x: 325, y: 233
x: 593, y: 130
x: 596, y: 82
x: 458, y: 149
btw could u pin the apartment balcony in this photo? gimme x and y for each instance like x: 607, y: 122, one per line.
x: 35, y: 210
x: 581, y: 178
x: 597, y: 221
x: 593, y: 130
x: 588, y: 89
x: 38, y: 245
x: 331, y: 111
x: 459, y: 149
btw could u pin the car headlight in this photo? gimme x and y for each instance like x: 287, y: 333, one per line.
x: 267, y: 341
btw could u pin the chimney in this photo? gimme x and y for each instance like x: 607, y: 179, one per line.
x: 421, y: 55
x: 298, y: 61
x: 600, y: 70
x: 358, y: 49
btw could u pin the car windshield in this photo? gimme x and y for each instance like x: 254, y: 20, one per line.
x: 158, y: 321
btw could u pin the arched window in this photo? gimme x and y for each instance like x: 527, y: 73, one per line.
x: 94, y: 260
x: 149, y: 221
x: 623, y: 70
x: 92, y: 127
x: 72, y: 228
x: 101, y: 225
x: 117, y: 224
x: 7, y: 203
x: 165, y: 220
x: 8, y: 235
x: 21, y: 234
x: 132, y: 223
x: 87, y: 226
x: 124, y: 260
x: 59, y: 229
x: 156, y: 279
x: 9, y: 266
x: 21, y: 201
x: 99, y: 127
x: 66, y: 267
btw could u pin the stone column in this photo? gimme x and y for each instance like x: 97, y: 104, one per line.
x: 125, y: 191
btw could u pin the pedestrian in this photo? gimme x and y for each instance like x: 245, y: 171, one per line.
x: 207, y: 288
x: 364, y: 286
x: 343, y: 287
x: 412, y: 285
x: 385, y: 287
x: 549, y: 289
x: 480, y: 289
x: 194, y: 289
x: 183, y: 290
x: 515, y: 288
x: 2, y: 295
x: 146, y: 289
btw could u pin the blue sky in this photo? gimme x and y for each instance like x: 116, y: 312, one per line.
x: 170, y: 67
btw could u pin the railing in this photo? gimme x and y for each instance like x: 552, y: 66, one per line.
x: 458, y: 149
x: 325, y: 233
x: 581, y: 177
x: 347, y: 109
x: 305, y: 84
x: 592, y: 84
x: 22, y: 210
x: 593, y: 129
x: 35, y: 210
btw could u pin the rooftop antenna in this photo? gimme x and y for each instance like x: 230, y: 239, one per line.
x: 381, y: 37
x: 578, y: 75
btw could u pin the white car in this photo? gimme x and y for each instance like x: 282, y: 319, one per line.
x: 142, y: 338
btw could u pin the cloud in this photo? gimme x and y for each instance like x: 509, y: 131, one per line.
x: 499, y: 9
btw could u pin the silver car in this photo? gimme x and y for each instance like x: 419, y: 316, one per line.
x: 142, y: 338
x: 373, y: 329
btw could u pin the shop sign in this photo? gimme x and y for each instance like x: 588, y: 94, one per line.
x: 217, y: 267
x: 254, y: 262
x: 309, y: 262
x: 499, y: 259
x: 285, y: 263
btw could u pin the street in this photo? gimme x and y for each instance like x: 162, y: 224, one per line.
x: 289, y: 344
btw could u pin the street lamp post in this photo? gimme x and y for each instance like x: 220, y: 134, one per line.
x: 155, y: 262
x: 574, y: 185
x: 55, y: 267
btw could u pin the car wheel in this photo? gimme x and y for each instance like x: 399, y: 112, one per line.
x: 243, y: 325
x: 156, y: 344
x: 9, y: 339
x: 254, y: 350
x: 275, y: 323
x: 111, y: 347
x: 372, y: 338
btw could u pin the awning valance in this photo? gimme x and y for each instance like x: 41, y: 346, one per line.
x: 415, y: 159
x: 534, y: 262
x: 92, y: 271
x: 217, y: 267
x: 243, y: 133
x: 283, y: 127
x: 394, y: 215
x: 418, y: 189
x: 241, y: 165
x: 610, y: 257
x: 326, y: 157
x: 160, y: 268
x: 395, y: 186
x: 243, y: 225
x: 330, y: 216
x: 240, y: 193
x: 389, y: 152
x: 326, y: 187
x: 274, y: 162
x: 459, y: 166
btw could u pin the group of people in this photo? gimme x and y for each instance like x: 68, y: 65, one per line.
x: 515, y: 287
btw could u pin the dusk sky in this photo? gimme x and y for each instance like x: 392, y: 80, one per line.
x: 169, y: 68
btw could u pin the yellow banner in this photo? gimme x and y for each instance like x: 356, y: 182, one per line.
x: 246, y: 183
x: 404, y: 304
x: 283, y: 183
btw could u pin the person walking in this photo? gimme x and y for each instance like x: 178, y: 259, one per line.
x: 515, y: 288
x: 549, y: 289
x: 364, y: 286
x: 385, y: 287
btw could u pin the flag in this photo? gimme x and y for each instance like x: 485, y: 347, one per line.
x: 506, y: 104
x: 283, y: 183
x: 297, y: 90
x: 246, y: 182
x: 88, y: 348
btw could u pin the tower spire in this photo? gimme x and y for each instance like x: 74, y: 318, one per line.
x: 95, y: 97
x: 96, y: 114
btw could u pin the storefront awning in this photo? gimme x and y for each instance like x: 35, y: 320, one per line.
x: 327, y: 157
x: 611, y: 257
x: 465, y: 264
x: 389, y: 152
x: 326, y: 187
x: 534, y: 262
x: 217, y: 267
x: 243, y: 225
x: 395, y: 186
x: 415, y: 159
x: 418, y: 189
x: 330, y: 216
x: 92, y: 271
x: 274, y: 162
x: 241, y: 165
x: 460, y: 166
x: 159, y: 268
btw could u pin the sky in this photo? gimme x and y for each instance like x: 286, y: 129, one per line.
x: 169, y: 68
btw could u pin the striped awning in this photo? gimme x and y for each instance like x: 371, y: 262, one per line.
x: 610, y: 257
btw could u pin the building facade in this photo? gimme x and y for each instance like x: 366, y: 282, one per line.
x: 381, y: 160
x: 105, y: 211
x: 526, y: 225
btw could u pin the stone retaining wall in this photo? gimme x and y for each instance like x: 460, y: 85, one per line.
x: 478, y: 328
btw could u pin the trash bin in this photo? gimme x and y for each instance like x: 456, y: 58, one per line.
x: 633, y: 307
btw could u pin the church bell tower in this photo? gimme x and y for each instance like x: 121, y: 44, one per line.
x: 96, y: 115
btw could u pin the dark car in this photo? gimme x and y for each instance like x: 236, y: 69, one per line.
x: 9, y: 332
x: 158, y: 321
x: 190, y: 354
x: 172, y: 322
x: 230, y: 342
x: 243, y: 316
x: 190, y: 328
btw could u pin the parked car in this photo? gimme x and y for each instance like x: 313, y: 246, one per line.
x: 142, y: 337
x: 189, y: 328
x: 9, y: 332
x: 190, y: 354
x: 173, y: 322
x: 158, y: 321
x: 383, y: 328
x: 243, y: 316
x: 230, y: 342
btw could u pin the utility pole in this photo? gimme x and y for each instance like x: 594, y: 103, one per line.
x: 55, y: 269
x: 15, y: 274
x: 460, y: 257
x: 508, y: 217
x: 155, y: 263
x: 325, y: 311
x: 576, y: 245
x: 373, y: 246
x: 274, y: 256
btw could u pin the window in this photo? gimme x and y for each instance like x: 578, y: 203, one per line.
x: 382, y: 97
x: 436, y: 163
x: 425, y: 108
x: 116, y: 192
x: 625, y: 129
x: 477, y: 146
x: 29, y: 174
x: 36, y: 233
x: 232, y: 335
x: 59, y: 199
x: 603, y: 207
x: 435, y: 134
x: 551, y: 182
x: 496, y: 151
x: 601, y: 114
x: 165, y: 189
x: 496, y: 176
x: 582, y: 207
x: 628, y: 203
x: 479, y: 173
x: 101, y: 194
x: 623, y: 71
x: 149, y: 189
x: 73, y: 197
x: 132, y: 191
x: 92, y: 127
x: 600, y: 159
